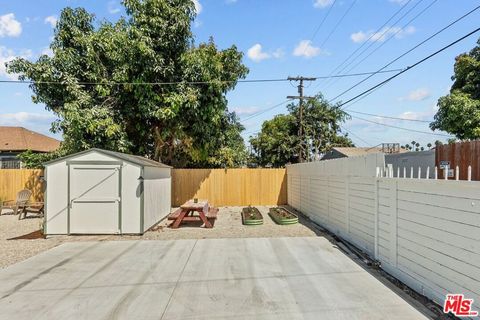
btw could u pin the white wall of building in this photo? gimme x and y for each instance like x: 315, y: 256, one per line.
x: 424, y: 232
x: 157, y: 196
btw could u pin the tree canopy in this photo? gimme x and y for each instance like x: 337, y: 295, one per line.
x: 278, y: 143
x: 140, y: 85
x: 459, y: 111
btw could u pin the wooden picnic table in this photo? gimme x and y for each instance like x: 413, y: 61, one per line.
x: 187, y: 213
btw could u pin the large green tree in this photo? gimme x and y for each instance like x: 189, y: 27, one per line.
x: 278, y: 142
x: 459, y: 111
x: 139, y: 85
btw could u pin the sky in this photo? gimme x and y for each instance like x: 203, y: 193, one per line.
x: 281, y: 38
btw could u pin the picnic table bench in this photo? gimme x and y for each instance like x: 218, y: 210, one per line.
x: 186, y: 213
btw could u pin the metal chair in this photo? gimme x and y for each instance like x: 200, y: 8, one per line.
x: 16, y: 206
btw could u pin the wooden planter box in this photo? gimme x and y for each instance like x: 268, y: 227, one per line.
x: 282, y: 216
x: 251, y: 216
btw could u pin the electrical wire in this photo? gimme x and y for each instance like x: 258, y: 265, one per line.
x: 402, y: 128
x: 410, y: 50
x: 389, y: 117
x: 338, y: 24
x: 380, y: 35
x: 322, y: 22
x: 266, y: 110
x: 321, y: 77
x: 402, y: 28
x: 371, y: 36
x: 357, y: 136
x: 190, y: 82
x: 410, y: 67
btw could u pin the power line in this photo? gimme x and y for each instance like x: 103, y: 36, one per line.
x: 263, y: 111
x: 380, y: 34
x: 321, y: 77
x: 389, y: 117
x: 251, y: 132
x: 393, y: 35
x: 410, y: 50
x: 192, y: 82
x: 338, y: 23
x: 357, y: 136
x: 111, y: 83
x: 322, y: 22
x: 371, y: 36
x: 402, y: 128
x: 411, y: 67
x: 345, y: 75
x: 386, y: 41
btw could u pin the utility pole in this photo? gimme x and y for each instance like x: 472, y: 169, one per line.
x: 300, y: 97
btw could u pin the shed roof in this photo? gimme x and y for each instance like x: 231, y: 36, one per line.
x: 21, y: 139
x: 141, y: 161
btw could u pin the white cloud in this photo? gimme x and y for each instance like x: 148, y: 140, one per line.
x: 279, y: 53
x: 417, y: 95
x: 198, y: 6
x: 245, y: 111
x: 22, y: 118
x: 322, y: 3
x: 399, y: 1
x: 7, y: 55
x: 382, y: 35
x: 112, y: 7
x: 306, y: 49
x: 52, y: 20
x: 257, y: 54
x: 9, y: 26
x: 230, y: 1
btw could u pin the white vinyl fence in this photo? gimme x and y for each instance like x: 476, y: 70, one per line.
x: 426, y: 233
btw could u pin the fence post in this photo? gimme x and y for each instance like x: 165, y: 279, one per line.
x: 375, y: 217
x: 393, y: 204
x: 427, y: 176
x: 411, y: 172
x: 347, y: 206
x: 469, y: 173
x: 457, y: 173
x: 390, y: 170
x: 436, y: 173
x: 419, y: 172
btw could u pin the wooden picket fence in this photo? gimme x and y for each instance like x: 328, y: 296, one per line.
x: 222, y: 187
x: 230, y: 187
x: 14, y: 180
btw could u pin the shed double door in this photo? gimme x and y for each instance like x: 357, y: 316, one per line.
x: 95, y: 199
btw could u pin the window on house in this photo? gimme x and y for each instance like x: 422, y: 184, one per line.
x: 10, y: 163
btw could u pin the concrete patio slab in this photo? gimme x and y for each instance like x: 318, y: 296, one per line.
x: 261, y: 278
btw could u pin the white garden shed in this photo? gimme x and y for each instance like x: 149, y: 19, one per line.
x: 104, y: 192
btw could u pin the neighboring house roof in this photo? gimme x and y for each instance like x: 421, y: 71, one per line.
x: 141, y: 161
x: 21, y: 139
x: 353, y: 151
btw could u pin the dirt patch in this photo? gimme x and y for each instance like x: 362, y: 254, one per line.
x: 21, y: 239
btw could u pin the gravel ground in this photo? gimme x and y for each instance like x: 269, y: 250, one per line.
x: 227, y: 225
